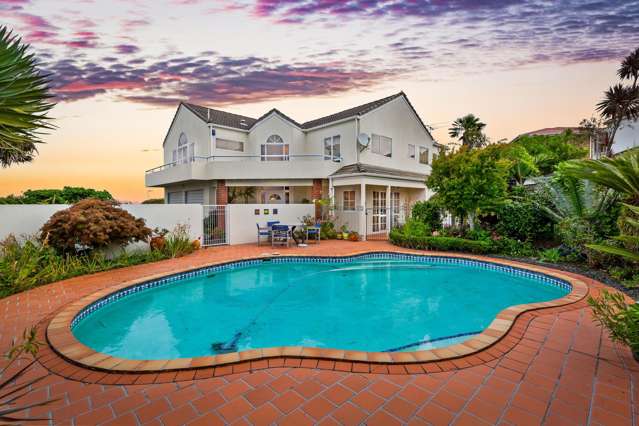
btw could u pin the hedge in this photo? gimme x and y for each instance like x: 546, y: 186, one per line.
x: 439, y: 243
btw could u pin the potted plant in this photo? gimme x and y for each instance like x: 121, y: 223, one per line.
x: 353, y: 236
x: 620, y: 318
x: 344, y: 230
x: 158, y: 240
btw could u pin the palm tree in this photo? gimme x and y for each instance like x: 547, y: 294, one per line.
x: 620, y: 103
x: 620, y: 174
x: 468, y: 129
x: 629, y: 69
x: 574, y: 198
x: 24, y: 101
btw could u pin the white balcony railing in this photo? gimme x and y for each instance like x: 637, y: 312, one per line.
x: 267, y: 158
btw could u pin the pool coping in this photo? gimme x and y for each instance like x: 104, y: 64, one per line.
x: 63, y: 342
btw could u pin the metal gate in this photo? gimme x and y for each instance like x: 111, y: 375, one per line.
x: 216, y: 225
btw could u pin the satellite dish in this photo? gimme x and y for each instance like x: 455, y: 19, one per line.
x: 363, y: 139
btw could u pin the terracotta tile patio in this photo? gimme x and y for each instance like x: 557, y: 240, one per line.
x: 558, y: 367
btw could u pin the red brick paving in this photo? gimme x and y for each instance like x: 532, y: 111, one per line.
x: 562, y: 370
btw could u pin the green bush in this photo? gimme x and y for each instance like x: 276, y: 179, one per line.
x: 512, y: 247
x: 521, y: 219
x: 552, y: 255
x: 416, y: 228
x: 327, y: 231
x: 178, y: 242
x: 429, y: 213
x: 28, y: 264
x: 398, y: 237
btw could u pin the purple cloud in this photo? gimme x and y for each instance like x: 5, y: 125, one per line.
x: 217, y: 80
x: 125, y: 49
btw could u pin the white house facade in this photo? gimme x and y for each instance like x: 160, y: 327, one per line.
x: 373, y: 156
x: 627, y: 137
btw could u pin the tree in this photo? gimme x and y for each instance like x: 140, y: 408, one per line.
x: 24, y: 101
x: 468, y: 181
x: 621, y: 102
x: 469, y: 130
x: 66, y: 195
x: 548, y: 151
x: 629, y: 69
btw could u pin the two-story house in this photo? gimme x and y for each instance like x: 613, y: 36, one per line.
x: 374, y: 156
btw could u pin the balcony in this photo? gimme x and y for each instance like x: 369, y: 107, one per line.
x: 301, y: 166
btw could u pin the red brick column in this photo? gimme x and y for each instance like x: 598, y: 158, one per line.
x: 221, y: 193
x: 316, y: 195
x: 221, y: 198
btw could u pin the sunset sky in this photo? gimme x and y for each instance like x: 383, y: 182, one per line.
x: 119, y: 69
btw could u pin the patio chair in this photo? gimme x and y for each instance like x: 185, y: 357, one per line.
x: 313, y: 232
x: 269, y: 224
x: 262, y: 232
x: 280, y: 235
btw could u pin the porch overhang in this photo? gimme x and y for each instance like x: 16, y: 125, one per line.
x: 269, y: 182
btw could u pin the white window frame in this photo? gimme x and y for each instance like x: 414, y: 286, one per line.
x: 411, y: 151
x: 348, y: 204
x: 377, y: 145
x: 272, y: 142
x: 331, y: 153
x: 427, y: 151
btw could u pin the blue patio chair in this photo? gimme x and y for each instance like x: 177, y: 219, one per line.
x: 280, y: 235
x: 270, y: 224
x: 313, y: 232
x: 262, y: 232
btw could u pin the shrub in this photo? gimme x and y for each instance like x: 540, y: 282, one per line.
x: 512, y: 247
x: 29, y: 264
x: 416, y: 228
x: 398, y: 237
x: 66, y: 195
x: 178, y: 242
x: 552, y: 255
x: 429, y: 213
x: 327, y: 231
x: 520, y: 218
x: 91, y: 224
x: 619, y: 318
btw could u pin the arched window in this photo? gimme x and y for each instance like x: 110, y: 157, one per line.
x: 185, y: 152
x: 275, y: 139
x: 274, y: 149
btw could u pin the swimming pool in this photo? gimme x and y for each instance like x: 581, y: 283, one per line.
x: 375, y: 302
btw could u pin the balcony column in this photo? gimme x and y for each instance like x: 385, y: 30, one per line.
x: 388, y: 207
x: 362, y: 211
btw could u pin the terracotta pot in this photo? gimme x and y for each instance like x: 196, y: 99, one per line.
x: 196, y: 244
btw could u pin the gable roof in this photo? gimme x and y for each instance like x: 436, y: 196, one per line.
x: 221, y: 118
x: 351, y: 112
x: 368, y: 169
x: 241, y: 122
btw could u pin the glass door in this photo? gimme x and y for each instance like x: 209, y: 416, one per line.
x: 379, y: 211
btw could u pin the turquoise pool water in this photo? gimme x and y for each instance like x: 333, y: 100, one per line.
x: 365, y: 304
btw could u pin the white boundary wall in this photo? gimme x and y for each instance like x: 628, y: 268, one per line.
x: 242, y: 218
x: 27, y: 219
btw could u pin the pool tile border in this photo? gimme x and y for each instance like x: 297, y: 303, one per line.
x: 60, y: 336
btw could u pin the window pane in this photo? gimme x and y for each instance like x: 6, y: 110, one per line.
x: 411, y: 151
x: 327, y: 148
x: 423, y: 155
x: 375, y: 144
x: 387, y: 146
x: 336, y: 147
x: 229, y: 145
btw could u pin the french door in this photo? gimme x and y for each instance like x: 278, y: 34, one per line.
x: 379, y: 211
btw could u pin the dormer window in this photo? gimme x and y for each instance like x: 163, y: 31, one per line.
x: 274, y: 149
x: 243, y: 123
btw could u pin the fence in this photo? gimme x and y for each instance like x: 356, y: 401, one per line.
x: 27, y: 219
x: 215, y: 225
x: 377, y: 221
